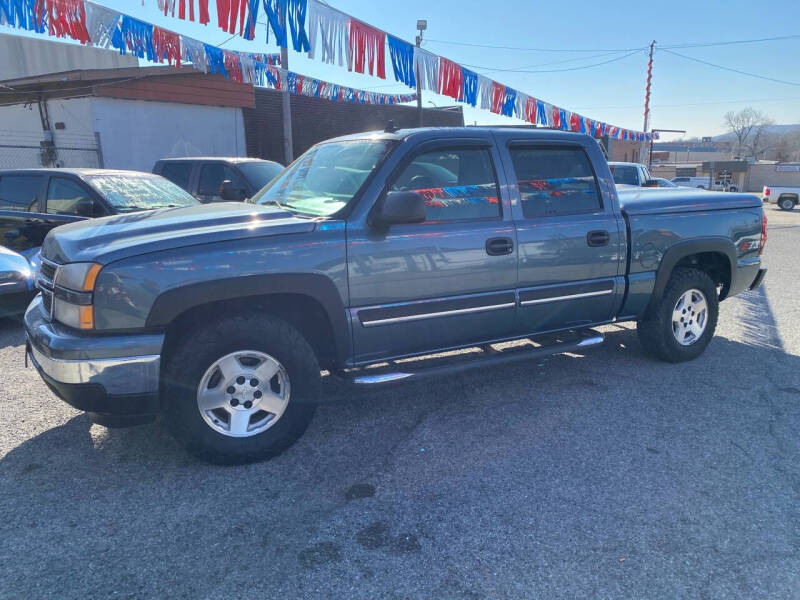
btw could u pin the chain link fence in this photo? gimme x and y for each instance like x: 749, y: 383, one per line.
x: 25, y: 150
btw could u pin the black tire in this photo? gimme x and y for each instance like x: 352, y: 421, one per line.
x: 655, y: 332
x: 194, y: 354
x: 786, y: 204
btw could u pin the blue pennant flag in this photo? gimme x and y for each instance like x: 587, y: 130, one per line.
x: 216, y: 60
x: 470, y: 87
x: 136, y: 36
x: 402, y: 54
x: 510, y: 102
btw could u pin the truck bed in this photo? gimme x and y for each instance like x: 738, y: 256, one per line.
x: 661, y: 219
x: 649, y: 201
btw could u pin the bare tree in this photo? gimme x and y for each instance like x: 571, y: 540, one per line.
x: 749, y: 126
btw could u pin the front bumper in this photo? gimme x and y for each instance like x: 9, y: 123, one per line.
x: 107, y: 375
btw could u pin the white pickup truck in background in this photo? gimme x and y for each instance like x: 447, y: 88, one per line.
x: 785, y: 197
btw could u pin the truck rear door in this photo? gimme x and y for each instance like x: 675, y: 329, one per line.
x: 571, y: 241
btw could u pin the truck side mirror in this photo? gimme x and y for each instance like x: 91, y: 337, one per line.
x: 229, y: 192
x: 84, y: 207
x: 400, y: 207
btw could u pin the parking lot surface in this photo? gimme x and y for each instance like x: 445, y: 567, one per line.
x: 605, y: 475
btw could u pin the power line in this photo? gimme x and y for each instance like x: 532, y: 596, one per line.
x: 679, y: 46
x: 732, y: 42
x: 704, y: 62
x: 453, y: 43
x: 488, y: 70
x: 605, y: 62
x: 752, y: 100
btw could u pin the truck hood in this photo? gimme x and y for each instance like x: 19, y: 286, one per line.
x: 112, y: 238
x: 647, y: 201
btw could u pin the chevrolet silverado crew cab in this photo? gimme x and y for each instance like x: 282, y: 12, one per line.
x: 368, y: 250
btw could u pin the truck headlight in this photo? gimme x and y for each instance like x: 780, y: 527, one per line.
x: 73, y: 291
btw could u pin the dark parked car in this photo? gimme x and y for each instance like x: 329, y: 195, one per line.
x: 204, y: 177
x: 34, y: 201
x: 368, y: 250
x: 16, y: 283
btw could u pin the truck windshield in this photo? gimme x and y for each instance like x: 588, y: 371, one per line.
x: 326, y: 178
x: 259, y: 174
x: 132, y: 192
x: 624, y: 174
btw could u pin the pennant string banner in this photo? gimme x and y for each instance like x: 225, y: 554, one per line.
x: 315, y: 28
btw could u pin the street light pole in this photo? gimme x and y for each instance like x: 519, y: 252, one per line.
x: 286, y: 103
x: 422, y: 25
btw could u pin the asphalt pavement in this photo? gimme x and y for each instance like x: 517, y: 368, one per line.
x: 604, y: 475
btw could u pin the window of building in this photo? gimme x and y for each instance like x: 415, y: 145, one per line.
x: 555, y: 181
x: 456, y: 184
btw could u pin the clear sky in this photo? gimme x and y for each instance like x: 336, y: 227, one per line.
x: 685, y: 94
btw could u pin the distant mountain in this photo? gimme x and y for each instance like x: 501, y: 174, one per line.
x: 771, y: 130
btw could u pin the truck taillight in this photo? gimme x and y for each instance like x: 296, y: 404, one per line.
x: 763, y: 232
x: 766, y: 191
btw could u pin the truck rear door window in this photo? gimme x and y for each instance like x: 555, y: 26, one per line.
x: 20, y: 192
x: 178, y: 173
x: 555, y: 181
x: 456, y: 184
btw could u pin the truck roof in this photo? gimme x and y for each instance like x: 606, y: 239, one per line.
x: 78, y: 172
x: 479, y: 132
x: 230, y: 159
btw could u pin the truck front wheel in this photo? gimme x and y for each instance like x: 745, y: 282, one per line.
x: 681, y: 324
x: 240, y: 389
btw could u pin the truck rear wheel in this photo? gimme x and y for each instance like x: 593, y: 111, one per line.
x: 786, y: 203
x: 241, y: 389
x: 680, y: 326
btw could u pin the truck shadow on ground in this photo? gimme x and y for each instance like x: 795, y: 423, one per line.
x: 386, y: 475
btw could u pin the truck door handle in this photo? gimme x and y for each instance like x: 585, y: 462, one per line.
x: 598, y: 238
x: 499, y: 246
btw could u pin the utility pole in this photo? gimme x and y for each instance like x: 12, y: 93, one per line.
x: 647, y: 97
x: 286, y: 103
x: 422, y: 25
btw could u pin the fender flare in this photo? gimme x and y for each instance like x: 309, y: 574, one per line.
x: 174, y: 302
x: 681, y: 250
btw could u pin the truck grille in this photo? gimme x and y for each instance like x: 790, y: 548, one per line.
x: 48, y: 269
x: 47, y: 302
x: 46, y: 282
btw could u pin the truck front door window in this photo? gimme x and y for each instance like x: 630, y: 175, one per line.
x: 456, y: 184
x: 65, y: 197
x: 211, y: 177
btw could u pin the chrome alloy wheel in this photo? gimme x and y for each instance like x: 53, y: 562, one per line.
x: 243, y: 394
x: 690, y: 317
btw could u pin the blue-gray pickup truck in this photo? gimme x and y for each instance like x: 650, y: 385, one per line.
x: 368, y: 250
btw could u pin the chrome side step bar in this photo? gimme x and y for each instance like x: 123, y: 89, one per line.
x: 402, y: 371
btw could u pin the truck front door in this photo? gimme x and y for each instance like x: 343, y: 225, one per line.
x: 571, y: 249
x: 448, y: 281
